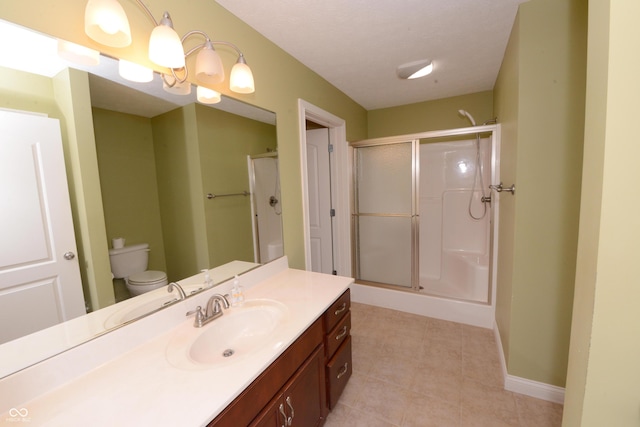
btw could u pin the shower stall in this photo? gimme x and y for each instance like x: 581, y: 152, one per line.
x: 266, y: 207
x: 425, y: 222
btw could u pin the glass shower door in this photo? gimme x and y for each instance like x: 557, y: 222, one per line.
x: 385, y: 214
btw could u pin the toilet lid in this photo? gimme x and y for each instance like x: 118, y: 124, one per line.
x: 147, y: 277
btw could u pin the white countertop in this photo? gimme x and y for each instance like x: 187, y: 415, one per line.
x: 139, y: 387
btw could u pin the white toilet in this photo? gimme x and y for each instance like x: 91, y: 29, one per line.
x: 130, y: 263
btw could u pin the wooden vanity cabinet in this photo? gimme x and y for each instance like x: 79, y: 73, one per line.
x: 301, y: 402
x: 337, y: 343
x: 304, y: 383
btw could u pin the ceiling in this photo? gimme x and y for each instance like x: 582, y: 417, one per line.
x: 357, y: 45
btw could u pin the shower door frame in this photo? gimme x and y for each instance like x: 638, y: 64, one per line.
x: 493, y: 132
x: 414, y: 216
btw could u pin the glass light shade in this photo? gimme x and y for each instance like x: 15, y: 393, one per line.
x: 208, y: 96
x: 424, y: 71
x: 241, y: 80
x: 178, y: 88
x: 78, y: 54
x: 134, y: 72
x: 106, y: 23
x: 165, y: 47
x: 209, y: 65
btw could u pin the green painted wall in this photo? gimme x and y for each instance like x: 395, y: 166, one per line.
x: 180, y: 191
x: 603, y: 385
x: 543, y: 153
x: 506, y: 95
x: 225, y: 140
x: 430, y: 115
x: 127, y: 167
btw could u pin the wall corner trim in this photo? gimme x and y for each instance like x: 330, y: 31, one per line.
x: 525, y: 386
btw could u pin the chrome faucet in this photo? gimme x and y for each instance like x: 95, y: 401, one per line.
x: 175, y: 285
x: 213, y: 310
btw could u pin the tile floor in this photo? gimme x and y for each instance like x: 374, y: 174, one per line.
x: 411, y: 370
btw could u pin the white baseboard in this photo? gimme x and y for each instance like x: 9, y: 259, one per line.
x: 525, y: 386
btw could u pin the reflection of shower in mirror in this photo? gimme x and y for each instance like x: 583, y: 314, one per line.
x: 266, y: 206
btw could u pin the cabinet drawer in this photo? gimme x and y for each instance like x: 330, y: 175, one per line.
x: 338, y: 373
x: 337, y: 311
x: 338, y: 335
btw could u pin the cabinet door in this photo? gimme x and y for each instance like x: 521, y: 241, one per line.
x: 304, y: 398
x: 302, y: 401
x: 272, y: 416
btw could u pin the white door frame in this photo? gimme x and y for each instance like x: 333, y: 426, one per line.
x: 340, y: 184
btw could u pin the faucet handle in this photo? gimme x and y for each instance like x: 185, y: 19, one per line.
x: 199, y: 319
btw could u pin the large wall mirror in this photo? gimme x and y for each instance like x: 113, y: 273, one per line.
x: 198, y: 183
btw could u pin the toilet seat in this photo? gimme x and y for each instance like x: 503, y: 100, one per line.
x: 148, y: 278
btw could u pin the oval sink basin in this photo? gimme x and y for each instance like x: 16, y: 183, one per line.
x: 240, y: 331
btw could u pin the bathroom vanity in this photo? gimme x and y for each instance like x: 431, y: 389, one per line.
x: 139, y: 374
x: 300, y: 387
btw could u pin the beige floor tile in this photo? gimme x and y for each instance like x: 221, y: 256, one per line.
x: 431, y: 412
x: 488, y: 402
x: 411, y: 370
x: 395, y: 370
x: 346, y: 416
x: 353, y: 390
x: 382, y: 400
x: 538, y: 413
x: 439, y: 384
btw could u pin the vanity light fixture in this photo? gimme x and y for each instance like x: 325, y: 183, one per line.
x: 134, y: 72
x: 106, y: 23
x: 208, y: 96
x: 78, y: 54
x: 415, y: 69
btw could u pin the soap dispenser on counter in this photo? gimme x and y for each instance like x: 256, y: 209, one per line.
x: 208, y: 283
x: 237, y: 293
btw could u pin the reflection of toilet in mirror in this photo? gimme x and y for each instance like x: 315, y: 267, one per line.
x: 130, y: 263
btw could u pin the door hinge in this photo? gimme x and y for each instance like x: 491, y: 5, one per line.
x: 331, y: 148
x: 332, y: 212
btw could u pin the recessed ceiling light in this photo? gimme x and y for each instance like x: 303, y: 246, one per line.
x: 415, y: 69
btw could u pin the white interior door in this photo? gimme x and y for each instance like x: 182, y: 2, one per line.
x: 40, y: 283
x: 319, y: 190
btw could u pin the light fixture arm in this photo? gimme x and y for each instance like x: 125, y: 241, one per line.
x: 149, y: 14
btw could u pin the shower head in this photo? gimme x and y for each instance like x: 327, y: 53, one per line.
x: 463, y: 113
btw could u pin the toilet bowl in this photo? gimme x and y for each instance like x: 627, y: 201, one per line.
x: 139, y: 283
x: 130, y: 263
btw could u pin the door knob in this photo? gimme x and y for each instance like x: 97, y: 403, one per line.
x: 69, y: 256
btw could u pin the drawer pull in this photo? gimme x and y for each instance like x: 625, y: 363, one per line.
x: 342, y: 334
x: 343, y: 370
x: 293, y: 413
x: 284, y: 416
x: 342, y: 308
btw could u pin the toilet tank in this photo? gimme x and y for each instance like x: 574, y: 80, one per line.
x: 129, y: 260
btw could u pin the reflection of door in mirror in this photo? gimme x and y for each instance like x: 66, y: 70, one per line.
x: 40, y: 282
x: 267, y: 207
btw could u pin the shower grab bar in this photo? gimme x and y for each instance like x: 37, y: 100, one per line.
x: 213, y: 196
x: 499, y: 188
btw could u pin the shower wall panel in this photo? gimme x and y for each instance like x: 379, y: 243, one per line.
x: 446, y: 178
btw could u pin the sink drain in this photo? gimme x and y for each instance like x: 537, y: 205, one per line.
x: 228, y: 352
